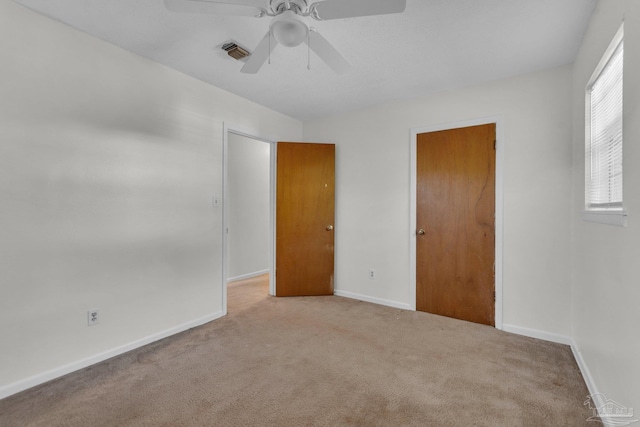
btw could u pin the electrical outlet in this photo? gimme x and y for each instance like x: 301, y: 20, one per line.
x: 93, y: 317
x: 372, y: 274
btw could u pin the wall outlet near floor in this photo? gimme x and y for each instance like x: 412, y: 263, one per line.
x: 93, y: 317
x: 372, y: 273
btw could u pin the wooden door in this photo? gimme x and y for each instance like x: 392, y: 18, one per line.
x: 455, y: 247
x: 305, y: 188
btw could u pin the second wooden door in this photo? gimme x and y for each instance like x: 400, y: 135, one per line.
x: 455, y: 248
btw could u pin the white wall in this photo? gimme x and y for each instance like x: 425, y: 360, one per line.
x: 108, y: 166
x: 249, y: 209
x: 606, y: 282
x: 372, y: 176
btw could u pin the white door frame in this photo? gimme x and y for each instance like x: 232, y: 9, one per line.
x: 499, y: 208
x: 236, y: 130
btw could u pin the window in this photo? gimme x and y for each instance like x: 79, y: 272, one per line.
x: 603, y: 168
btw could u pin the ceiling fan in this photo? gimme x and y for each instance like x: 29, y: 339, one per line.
x: 287, y: 26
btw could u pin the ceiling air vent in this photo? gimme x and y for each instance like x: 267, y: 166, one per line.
x: 235, y: 51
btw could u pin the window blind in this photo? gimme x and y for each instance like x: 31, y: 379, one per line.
x: 604, y: 150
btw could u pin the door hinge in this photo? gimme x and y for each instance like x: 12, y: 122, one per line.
x: 494, y: 296
x: 495, y: 144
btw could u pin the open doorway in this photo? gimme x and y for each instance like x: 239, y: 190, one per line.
x: 248, y: 214
x: 305, y: 175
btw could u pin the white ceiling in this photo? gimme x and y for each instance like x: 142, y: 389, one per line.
x: 434, y: 45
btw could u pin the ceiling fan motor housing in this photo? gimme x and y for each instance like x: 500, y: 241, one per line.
x: 280, y: 6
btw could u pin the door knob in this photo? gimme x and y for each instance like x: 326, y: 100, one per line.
x: 329, y: 227
x: 421, y: 232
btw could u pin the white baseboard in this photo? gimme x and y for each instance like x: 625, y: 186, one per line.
x: 534, y: 333
x: 586, y: 374
x: 247, y: 276
x: 577, y: 354
x: 18, y: 386
x: 366, y: 298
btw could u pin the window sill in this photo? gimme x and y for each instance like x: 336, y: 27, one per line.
x: 618, y: 218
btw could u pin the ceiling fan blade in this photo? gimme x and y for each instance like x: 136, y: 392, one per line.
x: 246, y: 8
x: 336, y: 9
x: 327, y: 53
x: 260, y: 54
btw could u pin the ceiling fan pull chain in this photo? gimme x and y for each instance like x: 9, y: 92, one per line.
x: 269, y: 46
x: 309, y: 50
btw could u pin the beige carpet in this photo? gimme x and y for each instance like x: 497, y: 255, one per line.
x: 325, y: 361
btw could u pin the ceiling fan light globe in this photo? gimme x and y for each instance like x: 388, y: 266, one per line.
x: 289, y: 29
